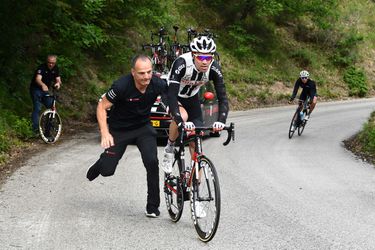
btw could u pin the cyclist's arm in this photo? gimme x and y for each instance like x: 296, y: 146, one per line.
x: 177, y: 72
x: 101, y: 115
x: 295, y: 90
x: 58, y: 82
x: 217, y: 77
x: 57, y: 78
x: 38, y: 80
x: 313, y: 89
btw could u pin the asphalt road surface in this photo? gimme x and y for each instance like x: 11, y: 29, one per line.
x: 307, y: 192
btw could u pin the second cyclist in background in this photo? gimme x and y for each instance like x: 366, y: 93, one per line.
x: 308, y: 90
x: 46, y: 76
x: 188, y: 73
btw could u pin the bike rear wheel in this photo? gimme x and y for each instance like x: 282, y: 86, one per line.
x: 173, y: 192
x: 205, y: 191
x: 293, y: 124
x: 50, y: 126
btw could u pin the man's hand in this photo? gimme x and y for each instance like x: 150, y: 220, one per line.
x: 218, y: 126
x: 290, y: 101
x: 57, y: 85
x: 107, y: 140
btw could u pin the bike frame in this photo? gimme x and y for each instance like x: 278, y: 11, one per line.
x: 196, y: 138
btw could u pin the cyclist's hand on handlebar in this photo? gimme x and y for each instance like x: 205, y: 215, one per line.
x: 57, y: 85
x: 107, y: 140
x: 290, y: 101
x: 218, y: 126
x: 189, y: 126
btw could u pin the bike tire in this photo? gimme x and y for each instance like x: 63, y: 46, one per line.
x: 173, y: 192
x: 294, y: 119
x: 206, y: 190
x: 50, y: 126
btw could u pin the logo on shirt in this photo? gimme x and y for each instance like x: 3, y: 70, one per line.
x: 178, y: 70
x: 133, y: 99
x: 217, y: 71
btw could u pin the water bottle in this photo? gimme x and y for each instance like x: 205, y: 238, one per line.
x: 302, y: 115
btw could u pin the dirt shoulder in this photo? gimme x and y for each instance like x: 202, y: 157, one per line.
x: 355, y: 146
x: 20, y: 155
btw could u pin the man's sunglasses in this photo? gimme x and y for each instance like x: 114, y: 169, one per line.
x: 304, y: 78
x: 204, y: 57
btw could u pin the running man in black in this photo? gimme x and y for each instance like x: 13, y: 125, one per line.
x: 130, y: 99
x: 308, y: 90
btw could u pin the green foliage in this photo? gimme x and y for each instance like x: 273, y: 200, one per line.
x: 367, y: 136
x: 303, y: 57
x: 12, y: 128
x: 267, y: 8
x: 356, y: 80
x: 256, y: 45
x: 22, y: 128
x: 346, y: 50
x: 240, y: 41
x: 5, y: 143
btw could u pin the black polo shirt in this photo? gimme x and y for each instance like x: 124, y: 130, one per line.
x: 48, y: 75
x: 132, y: 108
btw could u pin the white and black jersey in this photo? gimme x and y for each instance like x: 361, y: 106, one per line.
x: 185, y: 80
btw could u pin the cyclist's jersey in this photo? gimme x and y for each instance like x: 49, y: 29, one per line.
x: 132, y: 108
x: 308, y: 89
x: 185, y: 81
x: 48, y: 75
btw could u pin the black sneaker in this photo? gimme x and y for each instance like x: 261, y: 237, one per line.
x: 93, y: 172
x: 152, y: 212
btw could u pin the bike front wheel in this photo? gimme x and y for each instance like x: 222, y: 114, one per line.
x: 292, y: 127
x: 50, y: 126
x: 301, y: 128
x: 205, y: 199
x: 173, y: 192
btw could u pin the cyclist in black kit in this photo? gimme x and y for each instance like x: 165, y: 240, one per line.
x: 45, y: 75
x: 308, y: 89
x: 188, y: 73
x: 131, y: 98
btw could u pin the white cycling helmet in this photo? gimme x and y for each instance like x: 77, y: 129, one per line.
x: 203, y: 44
x: 304, y: 73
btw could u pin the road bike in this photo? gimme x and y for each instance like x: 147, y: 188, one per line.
x: 298, y: 121
x: 159, y: 51
x: 198, y: 183
x: 50, y: 125
x: 175, y: 48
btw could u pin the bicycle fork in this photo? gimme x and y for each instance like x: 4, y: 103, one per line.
x: 201, y: 171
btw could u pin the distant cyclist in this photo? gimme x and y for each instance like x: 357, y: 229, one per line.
x: 189, y: 72
x: 308, y: 90
x: 45, y: 75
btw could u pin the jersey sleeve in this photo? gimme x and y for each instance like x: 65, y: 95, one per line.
x: 177, y: 72
x: 217, y: 77
x: 313, y: 89
x: 39, y: 70
x: 295, y: 89
x: 114, y: 93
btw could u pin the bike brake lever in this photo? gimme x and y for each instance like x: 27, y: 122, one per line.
x: 230, y: 131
